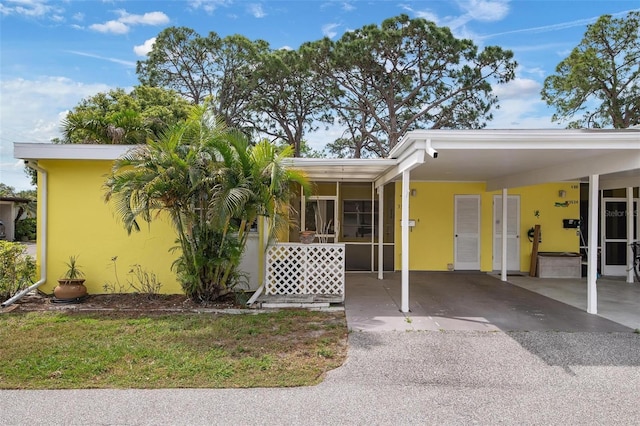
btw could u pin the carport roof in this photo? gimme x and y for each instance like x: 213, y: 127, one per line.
x: 513, y: 158
x: 501, y: 158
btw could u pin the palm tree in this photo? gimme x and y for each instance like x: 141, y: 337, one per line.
x: 213, y: 185
x: 125, y: 127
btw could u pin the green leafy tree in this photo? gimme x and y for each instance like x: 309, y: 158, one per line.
x: 182, y: 60
x: 600, y: 78
x: 29, y: 207
x: 213, y: 185
x: 284, y: 101
x: 406, y: 74
x: 201, y: 68
x: 117, y: 117
x: 7, y: 190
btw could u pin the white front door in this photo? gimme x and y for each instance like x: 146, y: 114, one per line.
x: 614, y: 235
x: 467, y: 233
x: 513, y: 232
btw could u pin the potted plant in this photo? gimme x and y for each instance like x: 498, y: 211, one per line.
x: 71, y: 285
x: 306, y: 237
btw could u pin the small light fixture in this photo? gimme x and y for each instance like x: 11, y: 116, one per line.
x: 414, y: 192
x: 562, y: 193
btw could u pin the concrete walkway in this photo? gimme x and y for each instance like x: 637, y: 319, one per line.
x: 618, y: 300
x: 453, y: 301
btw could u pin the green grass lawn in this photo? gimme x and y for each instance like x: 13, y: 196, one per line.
x: 47, y: 350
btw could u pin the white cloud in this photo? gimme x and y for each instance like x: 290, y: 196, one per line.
x: 31, y: 111
x: 256, y: 10
x: 78, y: 17
x: 472, y: 10
x: 113, y: 27
x: 518, y: 88
x: 150, y: 18
x: 424, y: 14
x: 347, y: 6
x: 29, y: 8
x: 329, y: 30
x: 485, y: 10
x: 123, y: 24
x: 208, y: 6
x: 521, y: 106
x: 535, y: 71
x: 145, y: 48
x: 522, y: 114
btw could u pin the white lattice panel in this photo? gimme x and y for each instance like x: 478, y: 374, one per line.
x: 305, y: 269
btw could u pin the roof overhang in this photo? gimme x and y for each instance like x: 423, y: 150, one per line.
x: 343, y: 169
x: 19, y: 200
x: 514, y: 158
x: 501, y: 158
x: 50, y: 151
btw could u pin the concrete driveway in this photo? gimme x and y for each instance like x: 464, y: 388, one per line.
x: 461, y: 301
x: 391, y: 377
x: 451, y: 361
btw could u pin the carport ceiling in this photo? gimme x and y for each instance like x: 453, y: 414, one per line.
x: 488, y: 165
x: 509, y: 158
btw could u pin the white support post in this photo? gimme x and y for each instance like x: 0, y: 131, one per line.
x: 630, y: 218
x: 405, y: 241
x: 505, y: 205
x: 380, y: 231
x: 592, y: 249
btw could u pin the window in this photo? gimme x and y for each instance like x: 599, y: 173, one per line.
x: 359, y: 219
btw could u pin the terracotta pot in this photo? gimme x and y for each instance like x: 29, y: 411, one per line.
x: 70, y: 289
x: 306, y: 237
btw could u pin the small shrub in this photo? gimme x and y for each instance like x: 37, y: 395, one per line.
x: 143, y: 282
x: 26, y: 229
x: 139, y: 280
x: 16, y: 269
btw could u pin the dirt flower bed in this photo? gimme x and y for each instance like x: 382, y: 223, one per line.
x: 124, y: 302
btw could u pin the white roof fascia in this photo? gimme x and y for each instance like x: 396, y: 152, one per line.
x: 609, y: 162
x: 523, y: 139
x: 409, y: 162
x: 344, y: 162
x: 50, y: 151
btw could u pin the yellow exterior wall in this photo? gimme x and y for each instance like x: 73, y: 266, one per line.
x: 431, y: 241
x: 82, y: 224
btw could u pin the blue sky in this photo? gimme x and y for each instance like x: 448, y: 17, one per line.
x: 55, y: 53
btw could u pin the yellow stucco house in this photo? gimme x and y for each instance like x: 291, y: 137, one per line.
x: 443, y: 200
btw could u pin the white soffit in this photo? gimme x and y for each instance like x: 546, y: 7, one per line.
x: 342, y: 169
x: 512, y: 158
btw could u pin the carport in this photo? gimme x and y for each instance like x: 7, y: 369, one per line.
x: 462, y: 301
x: 506, y: 159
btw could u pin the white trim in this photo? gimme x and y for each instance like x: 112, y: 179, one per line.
x: 626, y: 268
x: 592, y: 250
x: 380, y: 232
x: 630, y: 229
x: 50, y: 151
x: 520, y: 139
x: 406, y: 179
x: 505, y: 215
